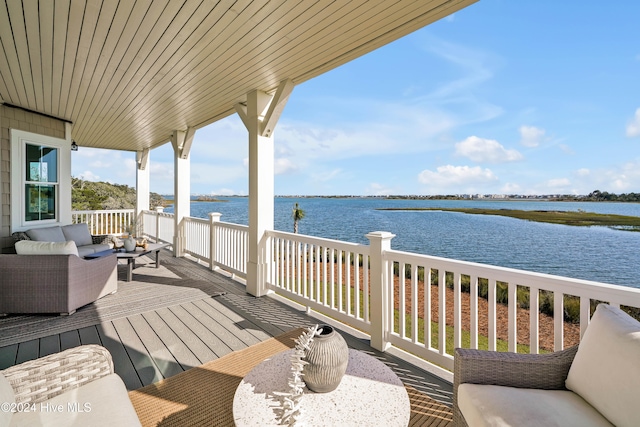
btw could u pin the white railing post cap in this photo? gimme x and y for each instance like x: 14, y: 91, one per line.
x: 214, y: 216
x: 383, y: 235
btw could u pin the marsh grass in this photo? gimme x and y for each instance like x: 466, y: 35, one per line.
x: 575, y: 218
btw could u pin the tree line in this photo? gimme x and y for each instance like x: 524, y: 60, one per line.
x: 603, y: 196
x: 92, y: 196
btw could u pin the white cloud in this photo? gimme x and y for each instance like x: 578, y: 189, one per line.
x: 511, y: 188
x: 375, y: 189
x: 486, y: 150
x: 633, y: 128
x: 531, y: 136
x: 225, y: 192
x: 283, y: 166
x: 113, y: 166
x: 89, y: 176
x: 451, y: 176
x: 558, y: 183
x: 566, y: 149
x: 388, y: 128
x: 618, y: 178
x: 326, y: 176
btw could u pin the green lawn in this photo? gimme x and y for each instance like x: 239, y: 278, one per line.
x: 483, y: 342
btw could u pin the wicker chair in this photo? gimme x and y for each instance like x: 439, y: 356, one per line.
x: 41, y: 379
x: 537, y: 371
x: 65, y: 374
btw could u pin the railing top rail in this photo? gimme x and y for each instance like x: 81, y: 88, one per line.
x: 232, y: 225
x: 156, y: 213
x: 103, y: 211
x: 577, y: 287
x: 194, y: 219
x: 336, y: 244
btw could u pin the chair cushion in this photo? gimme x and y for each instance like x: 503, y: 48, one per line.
x: 79, y: 233
x: 6, y: 396
x: 31, y: 247
x: 48, y: 234
x: 103, y: 402
x: 606, y: 369
x: 492, y: 405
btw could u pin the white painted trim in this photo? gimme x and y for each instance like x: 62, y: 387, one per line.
x: 276, y: 107
x: 63, y: 205
x: 142, y: 181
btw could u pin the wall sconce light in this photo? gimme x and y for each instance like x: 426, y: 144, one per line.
x: 74, y: 146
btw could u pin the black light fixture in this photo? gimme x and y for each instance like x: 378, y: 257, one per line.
x: 74, y: 146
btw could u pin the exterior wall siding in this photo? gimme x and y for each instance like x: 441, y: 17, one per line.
x: 15, y: 118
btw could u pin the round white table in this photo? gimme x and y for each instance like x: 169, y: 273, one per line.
x: 369, y: 394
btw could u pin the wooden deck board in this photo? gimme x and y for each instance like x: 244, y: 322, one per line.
x: 156, y: 348
x: 174, y: 344
x: 121, y: 361
x: 202, y: 352
x: 89, y: 335
x: 249, y: 335
x: 204, y: 316
x: 49, y: 345
x: 69, y: 339
x: 28, y: 351
x: 158, y: 343
x: 8, y: 356
x: 142, y: 361
x: 209, y: 338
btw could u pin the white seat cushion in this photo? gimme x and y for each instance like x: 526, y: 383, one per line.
x: 606, y: 369
x: 104, y: 402
x: 490, y: 405
x: 31, y: 247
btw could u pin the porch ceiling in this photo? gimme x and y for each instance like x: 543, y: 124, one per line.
x: 128, y: 73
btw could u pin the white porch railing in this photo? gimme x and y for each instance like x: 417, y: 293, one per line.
x: 338, y: 279
x: 105, y: 221
x: 396, y: 297
x: 328, y: 276
x: 158, y: 225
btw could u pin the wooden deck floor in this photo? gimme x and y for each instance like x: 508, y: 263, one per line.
x: 156, y: 344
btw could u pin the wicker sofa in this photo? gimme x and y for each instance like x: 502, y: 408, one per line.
x: 78, y: 233
x: 54, y: 283
x: 594, y: 384
x: 76, y: 387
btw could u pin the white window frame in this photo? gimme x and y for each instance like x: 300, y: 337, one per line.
x: 19, y: 141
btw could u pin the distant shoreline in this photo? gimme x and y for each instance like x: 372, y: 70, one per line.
x: 578, y: 199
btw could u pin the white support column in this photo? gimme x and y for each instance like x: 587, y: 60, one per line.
x: 181, y: 142
x: 260, y: 114
x: 142, y: 181
x: 380, y: 288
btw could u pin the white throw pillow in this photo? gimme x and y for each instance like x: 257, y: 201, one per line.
x: 30, y: 247
x: 606, y: 369
x: 7, y: 396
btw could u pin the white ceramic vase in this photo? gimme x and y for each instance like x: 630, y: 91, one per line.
x: 327, y: 357
x: 129, y: 244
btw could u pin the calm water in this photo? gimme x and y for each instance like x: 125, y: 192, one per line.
x: 592, y: 253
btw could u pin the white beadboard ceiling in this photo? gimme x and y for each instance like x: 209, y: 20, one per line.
x: 127, y: 73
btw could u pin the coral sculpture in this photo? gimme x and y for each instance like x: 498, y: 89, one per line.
x: 291, y: 404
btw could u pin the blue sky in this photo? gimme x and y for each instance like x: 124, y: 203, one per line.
x: 526, y: 97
